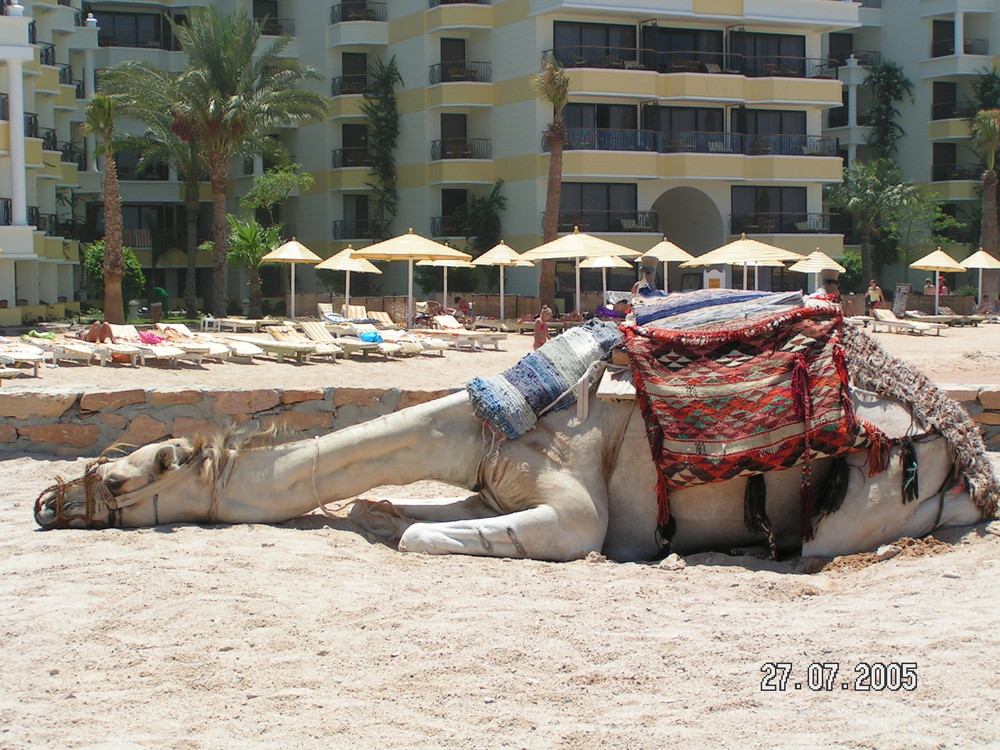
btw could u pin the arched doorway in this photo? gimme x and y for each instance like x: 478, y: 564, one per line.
x: 690, y: 219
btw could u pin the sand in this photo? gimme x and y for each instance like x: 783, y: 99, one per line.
x: 308, y: 635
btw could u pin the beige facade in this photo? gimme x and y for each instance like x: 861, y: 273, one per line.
x: 695, y: 119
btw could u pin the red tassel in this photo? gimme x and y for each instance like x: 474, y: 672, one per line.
x: 805, y: 504
x: 662, y: 500
x: 878, y: 450
x: 800, y: 390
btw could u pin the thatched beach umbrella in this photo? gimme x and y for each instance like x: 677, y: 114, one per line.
x: 604, y: 262
x: 347, y: 262
x: 446, y: 264
x: 747, y: 253
x: 815, y: 263
x: 980, y: 260
x: 504, y: 256
x: 940, y: 262
x: 667, y: 251
x: 292, y: 252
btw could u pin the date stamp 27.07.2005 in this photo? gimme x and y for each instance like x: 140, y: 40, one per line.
x: 780, y: 676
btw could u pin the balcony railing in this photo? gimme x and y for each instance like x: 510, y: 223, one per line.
x: 865, y: 58
x: 436, y: 3
x: 952, y: 110
x: 32, y: 32
x: 50, y: 139
x: 277, y: 26
x: 770, y: 222
x: 81, y: 91
x: 72, y: 154
x: 48, y: 224
x: 358, y: 229
x: 64, y: 3
x: 694, y: 61
x: 950, y: 172
x: 6, y: 212
x: 597, y: 220
x: 462, y: 148
x: 871, y: 3
x: 4, y: 107
x: 31, y: 125
x: 698, y: 142
x: 445, y: 226
x: 354, y: 156
x: 359, y: 10
x: 65, y: 73
x: 976, y: 46
x: 461, y: 70
x: 135, y: 238
x: 47, y: 53
x: 33, y: 216
x: 80, y: 19
x: 355, y: 83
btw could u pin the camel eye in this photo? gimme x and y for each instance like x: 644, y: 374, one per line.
x: 114, y: 484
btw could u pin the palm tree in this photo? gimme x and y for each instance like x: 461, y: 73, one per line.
x: 986, y: 137
x: 872, y: 192
x: 249, y: 242
x: 100, y: 120
x: 149, y: 94
x: 552, y: 85
x: 232, y: 95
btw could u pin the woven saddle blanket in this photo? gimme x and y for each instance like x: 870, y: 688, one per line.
x: 749, y: 398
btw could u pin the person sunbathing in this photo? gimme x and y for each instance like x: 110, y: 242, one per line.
x: 98, y: 333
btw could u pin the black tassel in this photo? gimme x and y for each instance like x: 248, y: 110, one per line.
x: 834, y: 488
x: 755, y: 511
x: 908, y: 461
x: 664, y: 533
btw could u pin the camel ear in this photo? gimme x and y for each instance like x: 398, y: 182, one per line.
x: 166, y: 458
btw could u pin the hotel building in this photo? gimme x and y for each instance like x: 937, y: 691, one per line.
x: 694, y: 119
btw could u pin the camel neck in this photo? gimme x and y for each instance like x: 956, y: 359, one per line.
x: 440, y: 440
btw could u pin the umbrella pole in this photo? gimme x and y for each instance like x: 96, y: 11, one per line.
x: 444, y: 302
x: 293, y: 290
x: 937, y: 291
x: 744, y: 277
x: 409, y: 293
x: 604, y: 285
x: 501, y: 298
x: 347, y: 289
x: 666, y: 277
x: 756, y: 278
x: 979, y: 297
x: 578, y: 305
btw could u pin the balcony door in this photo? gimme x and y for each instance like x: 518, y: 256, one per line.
x: 455, y: 137
x: 942, y: 38
x: 355, y: 139
x: 355, y: 67
x: 452, y: 199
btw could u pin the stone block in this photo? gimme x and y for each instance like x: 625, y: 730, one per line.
x: 186, y: 426
x: 297, y: 421
x: 115, y: 420
x: 961, y: 393
x: 144, y: 429
x: 72, y: 435
x: 28, y: 404
x: 175, y: 396
x: 412, y: 398
x: 357, y: 396
x: 239, y: 402
x: 989, y: 396
x: 988, y: 417
x: 110, y: 400
x: 7, y: 433
x: 293, y: 396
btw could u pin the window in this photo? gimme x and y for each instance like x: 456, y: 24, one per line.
x: 942, y: 38
x: 603, y: 116
x: 768, y: 54
x: 841, y: 46
x: 126, y: 161
x: 600, y: 207
x: 129, y: 29
x: 452, y: 199
x: 943, y: 161
x: 944, y: 100
x: 673, y: 50
x: 767, y: 209
x: 683, y: 119
x: 591, y: 44
x: 355, y: 140
x: 771, y: 122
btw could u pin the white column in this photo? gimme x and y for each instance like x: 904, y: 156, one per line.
x: 18, y: 174
x: 852, y: 95
x: 88, y: 93
x: 959, y: 32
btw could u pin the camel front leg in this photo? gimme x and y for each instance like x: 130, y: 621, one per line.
x: 388, y: 519
x: 540, y: 533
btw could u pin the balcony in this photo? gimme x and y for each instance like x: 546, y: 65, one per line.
x: 50, y: 139
x: 436, y: 3
x: 445, y: 226
x: 359, y: 11
x: 358, y: 229
x: 276, y: 26
x: 694, y: 61
x: 4, y: 107
x: 462, y: 148
x: 865, y: 58
x: 73, y: 155
x: 356, y: 156
x: 81, y: 91
x: 48, y: 224
x: 6, y: 212
x: 779, y: 223
x: 137, y: 238
x: 609, y: 221
x: 953, y: 172
x: 356, y: 83
x: 31, y: 125
x: 698, y: 142
x: 946, y: 47
x: 47, y: 53
x: 465, y: 71
x: 65, y: 73
x: 952, y: 110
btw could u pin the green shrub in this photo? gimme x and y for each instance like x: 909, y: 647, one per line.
x: 133, y: 283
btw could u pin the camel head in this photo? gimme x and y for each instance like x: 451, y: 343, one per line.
x: 125, y: 492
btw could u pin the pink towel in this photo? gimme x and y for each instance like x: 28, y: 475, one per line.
x: 147, y: 337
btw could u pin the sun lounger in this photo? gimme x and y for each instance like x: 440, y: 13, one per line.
x: 348, y: 338
x: 382, y: 319
x: 163, y: 352
x: 197, y: 347
x: 62, y: 347
x: 485, y: 338
x: 928, y: 318
x: 14, y: 352
x: 6, y: 373
x: 888, y: 320
x: 288, y: 334
x: 267, y: 343
x: 494, y: 324
x: 963, y: 320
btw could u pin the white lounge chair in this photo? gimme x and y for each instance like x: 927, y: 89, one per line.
x: 14, y: 352
x: 197, y: 347
x: 163, y: 352
x: 887, y: 319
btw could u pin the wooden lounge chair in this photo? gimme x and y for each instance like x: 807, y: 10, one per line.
x: 197, y: 347
x: 350, y: 344
x: 963, y: 320
x: 237, y: 324
x: 270, y: 345
x: 129, y: 334
x: 383, y: 320
x: 485, y: 338
x: 887, y: 319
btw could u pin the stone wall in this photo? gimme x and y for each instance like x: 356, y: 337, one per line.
x: 83, y: 423
x: 66, y: 422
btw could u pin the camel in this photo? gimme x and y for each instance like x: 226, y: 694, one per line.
x: 569, y: 487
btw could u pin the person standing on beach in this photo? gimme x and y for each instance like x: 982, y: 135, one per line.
x: 873, y: 297
x: 542, y: 326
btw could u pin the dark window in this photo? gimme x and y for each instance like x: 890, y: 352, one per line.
x: 580, y: 44
x: 354, y: 136
x: 452, y: 50
x: 684, y: 119
x: 944, y: 100
x: 942, y: 38
x: 767, y: 208
x: 681, y: 49
x: 354, y: 63
x: 129, y: 29
x: 356, y: 208
x: 772, y: 122
x: 603, y: 116
x: 454, y: 127
x: 599, y: 207
x: 841, y: 46
x: 126, y: 161
x: 452, y: 199
x: 768, y: 54
x: 265, y: 9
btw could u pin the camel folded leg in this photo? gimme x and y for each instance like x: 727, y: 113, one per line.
x: 388, y: 519
x: 541, y: 533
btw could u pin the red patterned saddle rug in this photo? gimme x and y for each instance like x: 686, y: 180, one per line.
x: 751, y: 398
